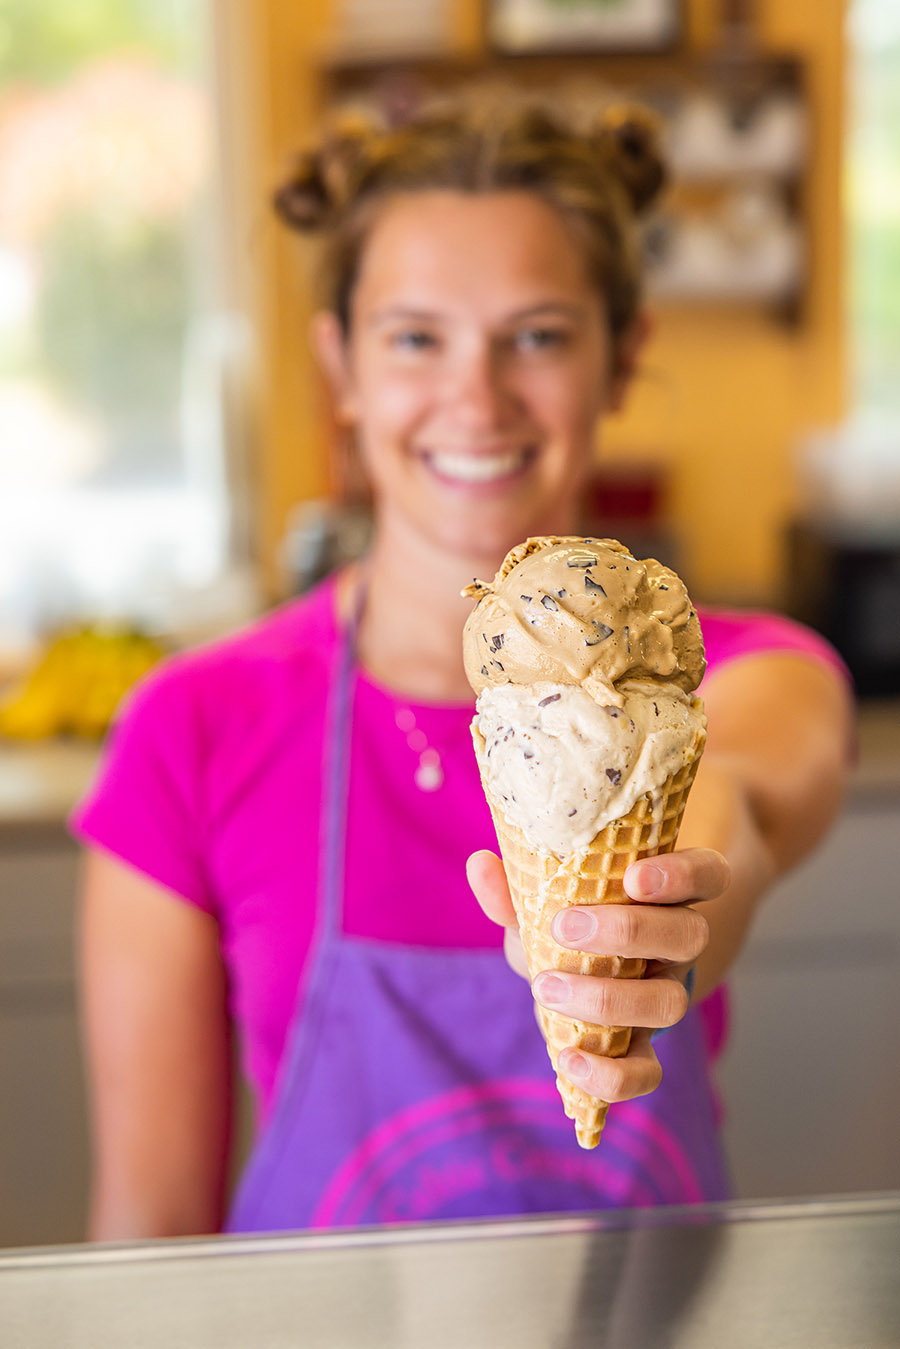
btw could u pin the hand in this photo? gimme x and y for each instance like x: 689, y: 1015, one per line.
x: 659, y: 927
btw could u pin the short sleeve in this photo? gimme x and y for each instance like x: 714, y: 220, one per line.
x: 145, y: 805
x: 729, y: 635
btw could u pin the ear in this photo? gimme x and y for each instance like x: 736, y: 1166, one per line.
x: 330, y: 347
x: 631, y: 346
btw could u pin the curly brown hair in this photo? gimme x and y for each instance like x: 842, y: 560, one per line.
x: 599, y: 171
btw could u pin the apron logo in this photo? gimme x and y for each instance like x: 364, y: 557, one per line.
x: 501, y: 1148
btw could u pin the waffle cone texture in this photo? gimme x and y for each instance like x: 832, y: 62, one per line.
x: 542, y: 884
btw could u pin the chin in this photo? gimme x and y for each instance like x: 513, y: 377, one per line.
x: 492, y: 538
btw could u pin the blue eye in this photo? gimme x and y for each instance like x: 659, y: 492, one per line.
x: 540, y: 339
x: 413, y: 339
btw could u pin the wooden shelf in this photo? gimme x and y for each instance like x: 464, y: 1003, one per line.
x: 346, y: 65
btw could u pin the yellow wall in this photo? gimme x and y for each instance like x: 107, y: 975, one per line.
x: 268, y: 51
x: 726, y: 393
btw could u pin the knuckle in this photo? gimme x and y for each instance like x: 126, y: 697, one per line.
x: 621, y: 928
x: 601, y: 1000
x: 624, y: 1079
x: 724, y: 871
x: 653, y: 1078
x: 675, y: 1002
x: 698, y: 934
x: 616, y: 1081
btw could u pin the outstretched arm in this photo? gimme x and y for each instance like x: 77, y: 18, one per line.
x: 769, y: 784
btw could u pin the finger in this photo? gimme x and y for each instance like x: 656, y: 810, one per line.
x: 670, y: 933
x: 487, y: 878
x: 656, y: 1002
x: 692, y: 874
x: 636, y: 1074
x: 515, y: 952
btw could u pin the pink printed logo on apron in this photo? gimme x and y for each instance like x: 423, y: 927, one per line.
x: 434, y: 1158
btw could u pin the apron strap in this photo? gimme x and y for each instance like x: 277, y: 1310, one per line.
x: 336, y: 772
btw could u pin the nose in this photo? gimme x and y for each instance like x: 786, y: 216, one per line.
x: 480, y: 388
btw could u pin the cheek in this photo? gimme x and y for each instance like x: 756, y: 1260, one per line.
x: 569, y: 408
x: 389, y: 405
x: 390, y: 410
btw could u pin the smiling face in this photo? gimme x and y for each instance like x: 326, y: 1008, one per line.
x: 477, y: 364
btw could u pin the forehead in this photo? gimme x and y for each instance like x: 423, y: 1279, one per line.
x: 459, y: 248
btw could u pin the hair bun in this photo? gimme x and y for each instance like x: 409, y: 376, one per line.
x: 324, y: 180
x: 302, y: 199
x: 629, y: 138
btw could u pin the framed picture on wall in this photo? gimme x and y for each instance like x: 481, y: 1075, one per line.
x: 583, y: 25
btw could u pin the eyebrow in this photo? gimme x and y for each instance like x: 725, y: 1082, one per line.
x: 403, y: 311
x: 566, y: 308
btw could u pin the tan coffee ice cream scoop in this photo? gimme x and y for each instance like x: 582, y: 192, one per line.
x: 581, y: 611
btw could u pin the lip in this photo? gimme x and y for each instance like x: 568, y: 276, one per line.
x: 481, y: 470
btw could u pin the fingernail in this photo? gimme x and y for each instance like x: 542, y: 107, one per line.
x: 576, y: 1066
x: 649, y: 880
x: 574, y: 925
x: 549, y: 988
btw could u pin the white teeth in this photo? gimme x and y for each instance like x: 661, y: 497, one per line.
x: 477, y: 468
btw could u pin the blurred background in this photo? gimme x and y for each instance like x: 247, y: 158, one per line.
x: 168, y: 467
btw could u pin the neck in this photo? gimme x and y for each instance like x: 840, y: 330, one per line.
x: 410, y: 637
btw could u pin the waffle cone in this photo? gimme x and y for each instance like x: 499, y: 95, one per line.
x: 541, y: 884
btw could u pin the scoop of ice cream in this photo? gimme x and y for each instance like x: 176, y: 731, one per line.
x: 560, y: 766
x: 581, y: 611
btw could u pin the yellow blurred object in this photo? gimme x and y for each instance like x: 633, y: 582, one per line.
x: 77, y: 685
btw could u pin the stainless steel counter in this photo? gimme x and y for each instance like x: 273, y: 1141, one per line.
x: 823, y: 1273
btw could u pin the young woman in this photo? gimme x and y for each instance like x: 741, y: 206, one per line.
x: 278, y: 839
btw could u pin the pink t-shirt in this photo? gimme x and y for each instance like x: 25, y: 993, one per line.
x: 210, y: 784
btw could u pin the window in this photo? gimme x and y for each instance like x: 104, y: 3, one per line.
x: 851, y: 473
x: 112, y: 478
x: 873, y: 206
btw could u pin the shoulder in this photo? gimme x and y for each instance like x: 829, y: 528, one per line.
x: 765, y: 707
x: 780, y: 730
x: 202, y: 725
x: 730, y: 635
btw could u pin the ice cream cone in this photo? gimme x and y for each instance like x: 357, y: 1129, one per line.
x: 588, y: 730
x: 541, y: 884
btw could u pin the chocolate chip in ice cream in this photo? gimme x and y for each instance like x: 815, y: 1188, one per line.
x: 601, y: 632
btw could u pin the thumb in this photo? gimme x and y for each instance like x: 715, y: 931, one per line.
x: 487, y: 878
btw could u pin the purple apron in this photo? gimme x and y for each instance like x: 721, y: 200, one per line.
x: 415, y: 1083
